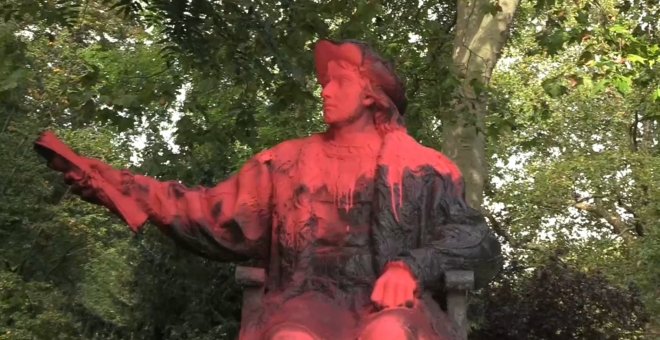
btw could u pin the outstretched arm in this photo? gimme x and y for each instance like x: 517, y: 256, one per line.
x: 227, y: 222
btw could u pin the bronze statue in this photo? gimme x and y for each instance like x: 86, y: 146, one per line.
x: 355, y: 226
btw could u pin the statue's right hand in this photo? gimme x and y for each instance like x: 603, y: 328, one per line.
x: 58, y: 163
x: 57, y: 154
x: 61, y: 158
x: 91, y: 179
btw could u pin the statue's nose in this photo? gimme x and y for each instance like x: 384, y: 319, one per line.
x: 328, y: 90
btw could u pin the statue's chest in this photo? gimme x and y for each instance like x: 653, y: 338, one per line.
x: 325, y: 200
x: 342, y: 175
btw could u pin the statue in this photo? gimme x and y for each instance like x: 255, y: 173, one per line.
x: 355, y: 225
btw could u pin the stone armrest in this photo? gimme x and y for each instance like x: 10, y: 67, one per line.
x: 457, y: 284
x: 252, y: 279
x: 250, y: 276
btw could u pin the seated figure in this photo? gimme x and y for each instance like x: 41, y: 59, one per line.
x: 355, y: 226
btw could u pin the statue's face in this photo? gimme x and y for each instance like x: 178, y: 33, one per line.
x: 343, y: 100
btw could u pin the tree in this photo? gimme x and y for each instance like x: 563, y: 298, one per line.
x: 482, y: 29
x: 571, y: 109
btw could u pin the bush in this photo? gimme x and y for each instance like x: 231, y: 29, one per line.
x: 557, y: 301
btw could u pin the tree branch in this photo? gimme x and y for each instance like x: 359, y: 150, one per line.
x: 501, y: 231
x: 619, y: 227
x: 639, y: 228
x: 634, y: 133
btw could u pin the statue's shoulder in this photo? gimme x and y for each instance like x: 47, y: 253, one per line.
x: 288, y: 151
x: 401, y: 148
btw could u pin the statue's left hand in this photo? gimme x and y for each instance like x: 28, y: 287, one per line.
x: 395, y: 287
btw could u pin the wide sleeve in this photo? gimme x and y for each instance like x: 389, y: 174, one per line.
x: 452, y: 235
x: 462, y: 241
x: 228, y: 222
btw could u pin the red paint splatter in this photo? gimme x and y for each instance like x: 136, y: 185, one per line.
x: 401, y: 152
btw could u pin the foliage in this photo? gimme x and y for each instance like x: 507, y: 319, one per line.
x: 32, y: 309
x: 558, y: 301
x: 574, y: 141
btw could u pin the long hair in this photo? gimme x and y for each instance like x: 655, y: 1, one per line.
x: 385, y: 86
x: 386, y: 114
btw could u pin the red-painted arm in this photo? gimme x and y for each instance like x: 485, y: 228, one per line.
x: 227, y: 222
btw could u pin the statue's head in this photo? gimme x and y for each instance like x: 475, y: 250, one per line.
x: 356, y: 80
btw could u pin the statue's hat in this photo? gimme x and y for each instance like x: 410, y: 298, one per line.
x: 378, y: 70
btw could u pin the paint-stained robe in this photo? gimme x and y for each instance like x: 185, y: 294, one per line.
x: 324, y: 218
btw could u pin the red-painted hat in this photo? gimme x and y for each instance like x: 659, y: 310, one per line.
x: 379, y: 71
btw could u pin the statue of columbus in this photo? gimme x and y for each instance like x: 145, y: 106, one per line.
x: 355, y: 226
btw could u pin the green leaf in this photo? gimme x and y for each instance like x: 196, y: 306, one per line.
x: 126, y: 100
x: 542, y: 5
x: 583, y: 17
x: 13, y: 80
x: 554, y: 87
x: 620, y: 29
x: 555, y: 40
x: 655, y: 96
x: 623, y: 84
x: 633, y: 58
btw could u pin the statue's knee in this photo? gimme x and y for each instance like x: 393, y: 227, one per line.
x: 290, y: 332
x: 389, y: 326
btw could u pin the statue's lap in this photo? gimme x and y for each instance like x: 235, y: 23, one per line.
x: 314, y: 316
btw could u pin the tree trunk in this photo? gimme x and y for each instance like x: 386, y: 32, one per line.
x: 482, y: 28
